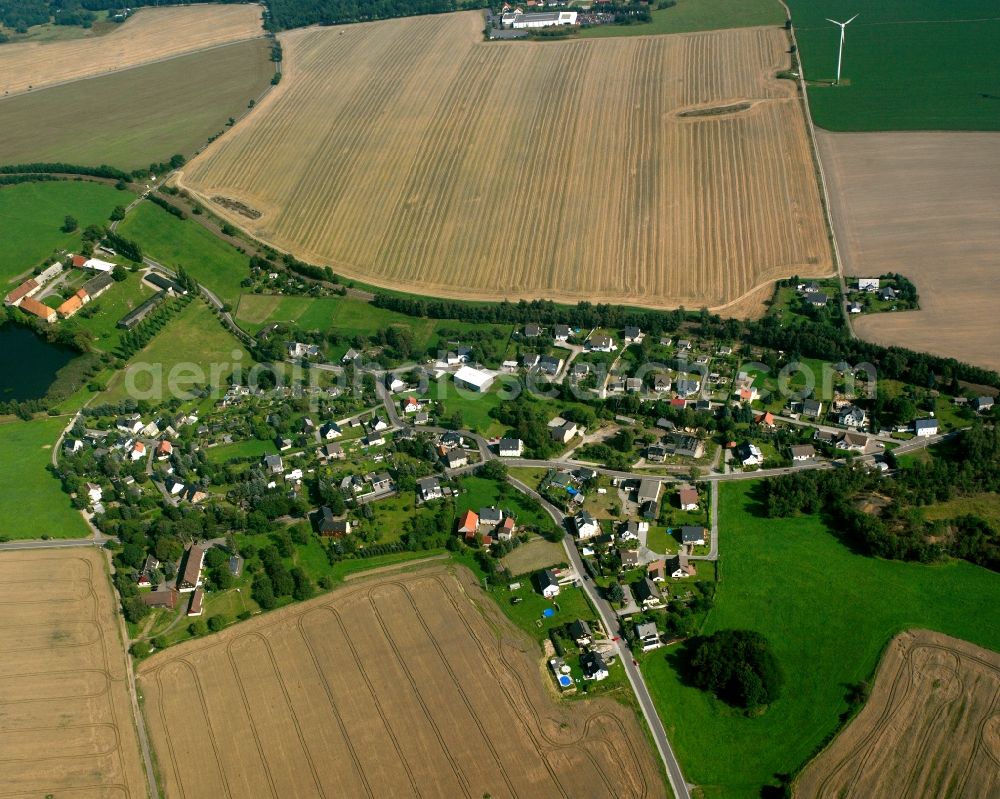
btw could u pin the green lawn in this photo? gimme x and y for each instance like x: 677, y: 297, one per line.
x: 31, y: 215
x: 111, y: 306
x: 252, y: 447
x: 175, y: 242
x: 475, y: 407
x: 31, y: 498
x: 908, y: 64
x: 698, y: 15
x: 136, y: 116
x: 481, y: 492
x: 571, y: 604
x: 829, y: 614
x: 193, y: 340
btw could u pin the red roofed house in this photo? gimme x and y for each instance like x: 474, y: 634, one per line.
x: 138, y: 451
x: 164, y: 450
x: 765, y: 419
x: 469, y: 524
x: 35, y: 308
x: 678, y: 402
x: 688, y: 498
x: 197, y: 606
x: 70, y: 307
x: 505, y: 531
x: 79, y: 261
x: 748, y: 394
x: 26, y: 289
x: 190, y: 578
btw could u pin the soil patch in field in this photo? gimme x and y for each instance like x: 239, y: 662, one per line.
x: 406, y: 684
x: 931, y: 727
x: 924, y: 205
x: 66, y: 721
x: 152, y: 34
x: 392, y: 174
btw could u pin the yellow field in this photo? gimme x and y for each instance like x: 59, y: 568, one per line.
x: 930, y: 728
x: 411, y: 154
x: 151, y: 35
x: 405, y: 684
x: 66, y: 721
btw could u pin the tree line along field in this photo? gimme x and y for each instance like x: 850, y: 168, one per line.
x: 828, y: 613
x: 404, y: 684
x: 439, y: 163
x: 136, y: 116
x: 66, y: 721
x: 930, y: 727
x: 908, y: 64
x: 152, y: 34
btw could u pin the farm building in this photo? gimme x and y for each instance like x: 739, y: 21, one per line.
x: 135, y: 316
x: 518, y: 20
x: 197, y: 605
x: 96, y: 265
x: 26, y: 289
x: 190, y: 578
x: 96, y: 286
x: 164, y: 283
x: 70, y: 306
x: 473, y: 379
x: 35, y: 308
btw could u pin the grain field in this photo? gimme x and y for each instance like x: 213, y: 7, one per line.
x: 930, y: 728
x: 411, y: 154
x: 66, y: 721
x: 405, y: 684
x: 152, y: 34
x: 925, y: 205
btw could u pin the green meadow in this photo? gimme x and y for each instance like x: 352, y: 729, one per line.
x: 697, y: 15
x: 829, y: 614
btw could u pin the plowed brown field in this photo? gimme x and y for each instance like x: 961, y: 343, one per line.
x: 925, y: 205
x: 930, y: 728
x: 66, y: 723
x: 411, y: 154
x: 407, y: 684
x: 151, y: 35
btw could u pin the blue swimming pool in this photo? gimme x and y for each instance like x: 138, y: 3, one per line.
x: 565, y: 680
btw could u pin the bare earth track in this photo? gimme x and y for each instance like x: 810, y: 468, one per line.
x: 409, y: 684
x: 410, y: 154
x: 66, y: 724
x: 925, y: 205
x: 153, y: 34
x: 930, y: 728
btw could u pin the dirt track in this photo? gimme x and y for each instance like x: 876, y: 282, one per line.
x: 930, y: 728
x: 151, y: 35
x: 406, y: 684
x: 926, y: 205
x: 439, y: 163
x: 66, y: 724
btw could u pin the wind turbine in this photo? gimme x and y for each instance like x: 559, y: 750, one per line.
x: 840, y: 52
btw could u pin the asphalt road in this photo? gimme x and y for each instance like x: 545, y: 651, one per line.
x: 610, y: 621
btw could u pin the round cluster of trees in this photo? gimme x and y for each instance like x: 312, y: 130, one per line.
x: 738, y: 666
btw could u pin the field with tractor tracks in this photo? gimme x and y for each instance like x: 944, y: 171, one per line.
x: 930, y: 728
x: 152, y: 34
x: 398, y: 685
x: 440, y: 163
x: 66, y: 721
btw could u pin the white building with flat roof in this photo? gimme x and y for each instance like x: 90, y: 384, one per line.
x: 518, y: 20
x: 474, y: 379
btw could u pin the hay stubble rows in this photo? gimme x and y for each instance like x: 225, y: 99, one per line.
x: 410, y: 154
x: 405, y: 684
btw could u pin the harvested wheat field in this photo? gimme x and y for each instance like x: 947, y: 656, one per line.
x: 152, y: 34
x: 924, y: 205
x: 411, y: 154
x: 66, y: 722
x: 930, y: 728
x: 406, y: 684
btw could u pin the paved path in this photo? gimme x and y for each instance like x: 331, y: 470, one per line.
x: 610, y: 622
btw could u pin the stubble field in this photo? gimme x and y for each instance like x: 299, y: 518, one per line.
x: 153, y: 34
x: 924, y: 205
x: 404, y: 684
x: 66, y: 721
x: 410, y: 154
x: 930, y: 728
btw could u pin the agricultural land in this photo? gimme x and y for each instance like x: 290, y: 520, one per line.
x: 923, y: 205
x: 153, y: 34
x: 32, y: 216
x: 67, y: 726
x: 407, y: 683
x: 930, y: 727
x: 584, y: 184
x: 140, y: 115
x: 908, y: 64
x: 33, y: 502
x: 824, y: 609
